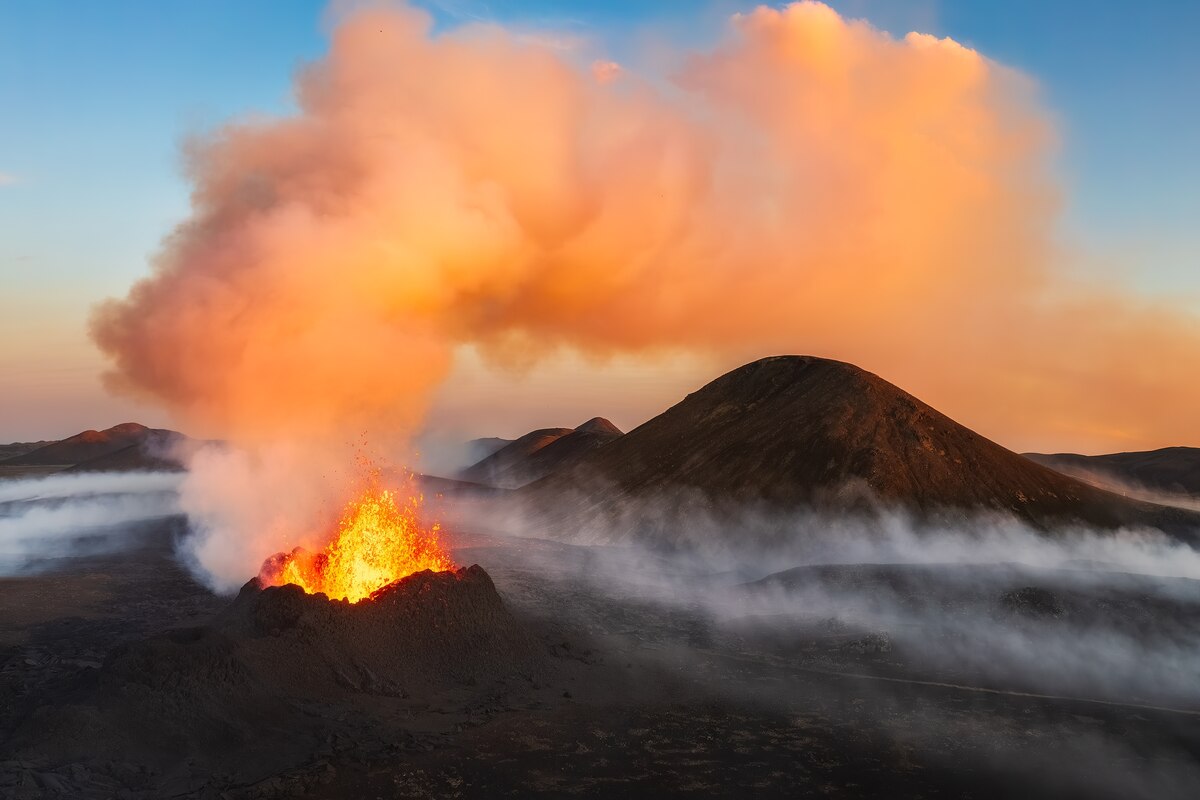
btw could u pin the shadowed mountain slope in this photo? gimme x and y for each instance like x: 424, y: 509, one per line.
x: 492, y: 469
x: 540, y: 453
x: 559, y: 454
x: 479, y: 449
x: 121, y: 447
x: 159, y: 451
x: 793, y: 431
x: 1175, y: 470
x: 14, y: 449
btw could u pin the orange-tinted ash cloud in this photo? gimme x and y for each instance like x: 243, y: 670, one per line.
x: 807, y: 184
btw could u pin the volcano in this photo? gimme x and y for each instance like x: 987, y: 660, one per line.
x: 563, y: 452
x: 791, y: 432
x: 541, y: 453
x: 479, y: 449
x: 248, y: 688
x: 424, y: 631
x: 128, y: 446
x: 492, y: 469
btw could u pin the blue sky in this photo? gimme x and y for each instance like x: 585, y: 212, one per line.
x: 95, y: 97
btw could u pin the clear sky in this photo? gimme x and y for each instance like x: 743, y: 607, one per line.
x: 96, y: 97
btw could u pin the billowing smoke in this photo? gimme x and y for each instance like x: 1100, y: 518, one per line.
x: 809, y: 183
x: 982, y: 598
x: 52, y: 517
x: 246, y: 504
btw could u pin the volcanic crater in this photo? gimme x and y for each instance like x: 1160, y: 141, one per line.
x: 251, y: 691
x: 428, y: 630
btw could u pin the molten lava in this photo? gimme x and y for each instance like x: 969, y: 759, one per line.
x: 379, y: 540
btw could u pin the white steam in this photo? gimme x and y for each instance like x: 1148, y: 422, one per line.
x: 244, y: 506
x: 63, y: 515
x: 87, y: 483
x: 942, y: 594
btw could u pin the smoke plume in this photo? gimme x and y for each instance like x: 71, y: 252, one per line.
x: 808, y: 183
x: 1114, y: 622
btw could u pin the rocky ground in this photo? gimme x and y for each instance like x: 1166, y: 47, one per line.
x: 641, y: 679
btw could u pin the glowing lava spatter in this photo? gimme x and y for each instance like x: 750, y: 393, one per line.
x: 379, y: 539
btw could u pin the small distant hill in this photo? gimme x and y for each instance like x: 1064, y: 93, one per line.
x: 124, y: 447
x: 540, y: 453
x: 1170, y: 470
x: 479, y: 449
x: 563, y: 452
x: 491, y: 470
x: 15, y: 449
x: 795, y: 432
x: 448, y: 487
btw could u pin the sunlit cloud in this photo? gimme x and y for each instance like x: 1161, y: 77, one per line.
x: 606, y: 71
x: 808, y: 183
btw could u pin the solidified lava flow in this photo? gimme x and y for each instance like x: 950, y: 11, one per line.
x: 379, y: 540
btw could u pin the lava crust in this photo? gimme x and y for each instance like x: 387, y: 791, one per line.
x: 429, y: 630
x: 248, y: 691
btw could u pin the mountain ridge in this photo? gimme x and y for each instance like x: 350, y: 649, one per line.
x: 540, y: 453
x: 123, y: 447
x: 1172, y: 470
x: 801, y: 431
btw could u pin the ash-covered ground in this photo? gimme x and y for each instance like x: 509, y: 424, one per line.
x: 684, y: 611
x: 595, y: 670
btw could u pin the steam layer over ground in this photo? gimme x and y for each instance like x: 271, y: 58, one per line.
x: 1089, y: 614
x: 636, y: 674
x: 66, y: 514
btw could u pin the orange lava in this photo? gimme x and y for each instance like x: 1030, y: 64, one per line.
x: 379, y: 540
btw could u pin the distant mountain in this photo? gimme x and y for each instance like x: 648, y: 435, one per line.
x: 491, y: 470
x: 511, y: 469
x: 796, y: 431
x: 479, y: 449
x: 432, y: 485
x: 158, y: 452
x: 562, y: 452
x: 15, y: 449
x: 124, y: 447
x: 1171, y: 470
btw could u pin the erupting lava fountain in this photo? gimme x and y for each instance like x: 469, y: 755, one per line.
x: 379, y: 540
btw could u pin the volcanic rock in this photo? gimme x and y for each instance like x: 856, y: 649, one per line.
x: 128, y: 446
x: 878, y: 642
x: 796, y: 431
x: 513, y: 467
x: 1174, y: 470
x: 491, y: 470
x: 14, y: 449
x: 432, y: 485
x: 429, y: 629
x: 1033, y: 601
x: 479, y: 449
x: 562, y: 453
x: 245, y: 688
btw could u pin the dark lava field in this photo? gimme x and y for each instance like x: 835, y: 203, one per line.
x: 590, y: 670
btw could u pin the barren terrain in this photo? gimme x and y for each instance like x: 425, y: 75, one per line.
x: 649, y: 685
